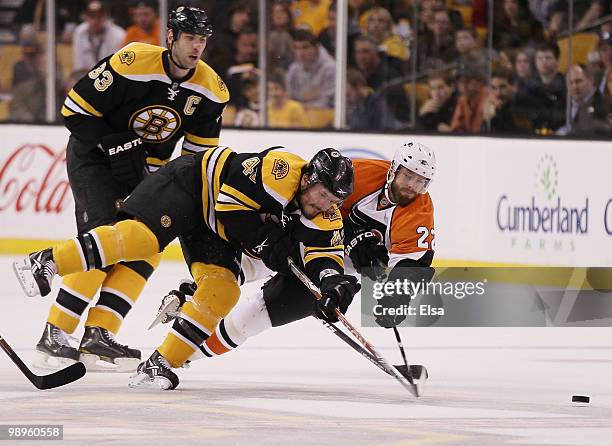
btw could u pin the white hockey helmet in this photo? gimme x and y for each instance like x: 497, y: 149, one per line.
x: 415, y: 157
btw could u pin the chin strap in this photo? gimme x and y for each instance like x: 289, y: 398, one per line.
x: 172, y: 58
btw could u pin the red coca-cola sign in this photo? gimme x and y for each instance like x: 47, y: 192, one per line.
x: 33, y: 179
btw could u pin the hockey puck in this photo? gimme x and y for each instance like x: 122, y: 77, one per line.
x: 580, y: 399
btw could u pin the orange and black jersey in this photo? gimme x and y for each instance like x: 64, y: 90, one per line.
x: 408, y: 231
x: 241, y: 190
x: 133, y: 90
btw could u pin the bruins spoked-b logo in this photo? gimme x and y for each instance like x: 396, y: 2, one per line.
x: 280, y: 169
x: 155, y: 123
x: 166, y: 221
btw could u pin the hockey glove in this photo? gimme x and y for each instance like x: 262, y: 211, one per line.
x: 273, y: 245
x: 337, y: 291
x: 127, y: 157
x: 368, y: 253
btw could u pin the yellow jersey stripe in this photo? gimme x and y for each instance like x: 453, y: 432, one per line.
x: 324, y: 248
x: 232, y: 192
x: 205, y: 203
x: 83, y: 103
x: 222, y: 207
x: 156, y: 161
x: 66, y: 112
x: 201, y: 141
x: 339, y: 260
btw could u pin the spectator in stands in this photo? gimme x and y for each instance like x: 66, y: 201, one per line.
x: 365, y: 109
x: 146, y: 24
x: 95, y: 38
x: 356, y: 10
x: 585, y: 12
x: 547, y: 94
x: 28, y: 103
x: 470, y: 51
x: 468, y: 116
x: 243, y: 63
x: 542, y: 11
x: 499, y: 108
x: 327, y: 38
x: 282, y: 111
x: 239, y: 18
x: 310, y: 15
x: 455, y: 16
x: 311, y: 77
x: 590, y: 111
x: 437, y: 112
x: 28, y: 66
x: 514, y: 26
x: 247, y: 114
x: 605, y: 59
x: 437, y: 48
x: 380, y: 28
x: 280, y: 42
x: 383, y: 75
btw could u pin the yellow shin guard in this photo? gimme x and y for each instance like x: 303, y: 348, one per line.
x: 215, y: 296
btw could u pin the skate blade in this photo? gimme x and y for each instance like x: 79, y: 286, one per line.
x: 163, y: 315
x: 144, y: 381
x: 44, y: 361
x: 96, y: 364
x: 23, y: 271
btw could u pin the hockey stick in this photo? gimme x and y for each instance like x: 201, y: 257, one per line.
x: 57, y: 379
x: 414, y: 370
x: 406, y: 381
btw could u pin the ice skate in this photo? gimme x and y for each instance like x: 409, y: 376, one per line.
x: 54, y: 351
x: 155, y: 372
x: 100, y: 352
x: 35, y: 272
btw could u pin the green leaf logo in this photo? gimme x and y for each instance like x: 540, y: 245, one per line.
x: 547, y: 176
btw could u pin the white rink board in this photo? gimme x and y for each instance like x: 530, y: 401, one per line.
x: 479, y: 179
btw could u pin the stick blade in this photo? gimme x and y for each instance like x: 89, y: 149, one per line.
x: 60, y: 378
x: 417, y: 376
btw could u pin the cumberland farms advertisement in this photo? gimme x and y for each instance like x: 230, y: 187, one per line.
x: 536, y: 201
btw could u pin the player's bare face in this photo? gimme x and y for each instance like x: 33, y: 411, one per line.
x: 316, y: 199
x: 406, y: 186
x: 188, y: 49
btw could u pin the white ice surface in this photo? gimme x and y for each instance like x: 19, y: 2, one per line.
x: 299, y: 385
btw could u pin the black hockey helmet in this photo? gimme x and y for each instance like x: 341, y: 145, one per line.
x: 190, y: 20
x: 332, y: 169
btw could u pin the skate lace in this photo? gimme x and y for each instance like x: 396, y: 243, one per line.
x: 59, y: 336
x: 49, y: 270
x: 111, y: 339
x: 164, y: 362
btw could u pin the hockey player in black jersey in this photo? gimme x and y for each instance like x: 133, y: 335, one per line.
x: 125, y: 117
x: 222, y: 204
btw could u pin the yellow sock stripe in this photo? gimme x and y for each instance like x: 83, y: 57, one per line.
x: 85, y: 285
x: 61, y: 319
x: 105, y: 318
x: 175, y: 349
x: 125, y: 280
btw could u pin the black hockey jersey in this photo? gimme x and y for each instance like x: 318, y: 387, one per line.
x: 133, y: 90
x: 240, y: 190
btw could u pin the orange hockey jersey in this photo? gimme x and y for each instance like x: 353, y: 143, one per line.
x: 408, y: 231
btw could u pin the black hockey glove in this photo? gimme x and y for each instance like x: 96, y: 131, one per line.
x: 273, y: 245
x: 338, y: 291
x: 127, y: 156
x: 390, y: 305
x: 368, y: 253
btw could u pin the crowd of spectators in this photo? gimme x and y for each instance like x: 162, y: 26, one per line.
x: 441, y: 64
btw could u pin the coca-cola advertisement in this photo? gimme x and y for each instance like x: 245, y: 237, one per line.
x: 35, y: 197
